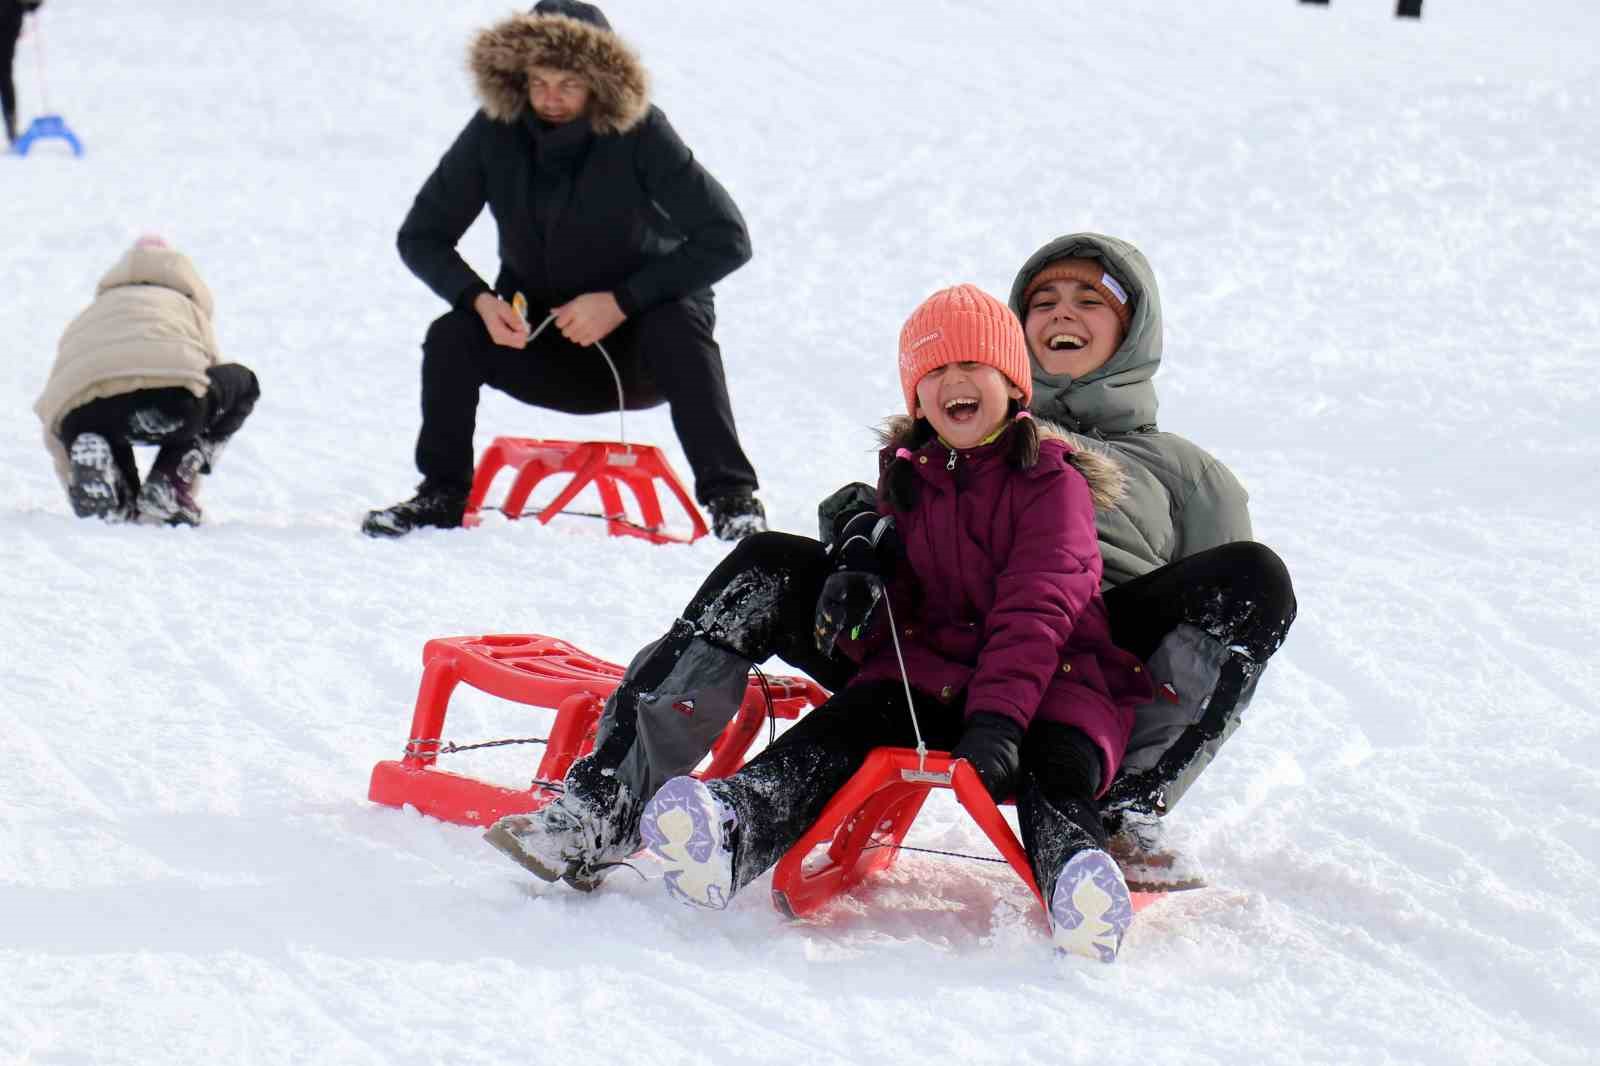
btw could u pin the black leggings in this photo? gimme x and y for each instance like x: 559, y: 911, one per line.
x: 173, y: 416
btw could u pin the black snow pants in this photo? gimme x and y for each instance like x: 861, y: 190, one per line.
x: 10, y: 32
x: 1210, y: 621
x: 168, y: 417
x: 1206, y: 625
x: 666, y: 354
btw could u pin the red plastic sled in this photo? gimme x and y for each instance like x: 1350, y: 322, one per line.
x: 867, y: 820
x: 540, y: 671
x: 604, y: 464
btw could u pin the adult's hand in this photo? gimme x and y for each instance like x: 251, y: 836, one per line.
x: 505, y: 326
x: 588, y: 318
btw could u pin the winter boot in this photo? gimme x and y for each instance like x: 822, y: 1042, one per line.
x: 168, y: 495
x: 1149, y: 863
x: 589, y: 830
x: 1090, y: 906
x: 691, y: 830
x: 1089, y: 903
x: 736, y: 515
x: 435, y: 506
x: 95, y: 484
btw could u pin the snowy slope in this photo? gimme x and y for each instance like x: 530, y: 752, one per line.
x: 1377, y: 243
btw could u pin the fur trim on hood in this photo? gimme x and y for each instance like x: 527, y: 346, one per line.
x: 501, y: 55
x: 1105, y: 477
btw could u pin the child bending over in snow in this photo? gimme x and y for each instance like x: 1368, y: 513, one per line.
x: 139, y: 366
x: 992, y: 572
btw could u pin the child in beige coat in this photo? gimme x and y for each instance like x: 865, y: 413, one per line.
x: 139, y: 365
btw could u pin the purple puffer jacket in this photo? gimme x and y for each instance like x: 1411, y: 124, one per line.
x: 1003, y: 598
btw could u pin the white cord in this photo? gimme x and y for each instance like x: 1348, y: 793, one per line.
x: 894, y: 634
x: 38, y: 56
x: 622, y: 403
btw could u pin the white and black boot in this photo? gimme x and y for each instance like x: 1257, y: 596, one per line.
x: 95, y: 484
x: 168, y: 494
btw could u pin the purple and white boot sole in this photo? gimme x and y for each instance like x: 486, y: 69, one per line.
x: 1090, y: 907
x: 688, y: 829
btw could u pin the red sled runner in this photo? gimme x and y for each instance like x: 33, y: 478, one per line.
x: 863, y: 826
x: 604, y: 464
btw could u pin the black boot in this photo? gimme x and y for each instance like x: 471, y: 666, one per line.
x: 736, y: 515
x: 435, y: 506
x: 168, y: 494
x: 95, y: 484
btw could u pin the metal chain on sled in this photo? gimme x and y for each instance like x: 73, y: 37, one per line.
x: 421, y: 746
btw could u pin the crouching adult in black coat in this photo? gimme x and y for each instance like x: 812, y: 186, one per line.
x: 605, y: 222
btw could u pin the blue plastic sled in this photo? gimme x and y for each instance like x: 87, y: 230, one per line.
x: 45, y: 127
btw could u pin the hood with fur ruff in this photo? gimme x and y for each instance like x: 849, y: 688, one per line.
x: 500, y: 56
x: 1103, y: 474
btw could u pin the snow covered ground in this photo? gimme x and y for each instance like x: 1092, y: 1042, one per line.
x: 1379, y: 249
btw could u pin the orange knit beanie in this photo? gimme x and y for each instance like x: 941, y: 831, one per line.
x: 959, y: 325
x: 1092, y: 274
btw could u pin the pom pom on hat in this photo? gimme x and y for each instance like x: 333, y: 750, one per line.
x: 959, y: 325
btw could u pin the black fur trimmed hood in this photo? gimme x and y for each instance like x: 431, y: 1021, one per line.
x: 1105, y: 477
x: 500, y: 56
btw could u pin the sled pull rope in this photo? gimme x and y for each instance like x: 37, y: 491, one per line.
x: 766, y: 692
x: 38, y: 55
x: 435, y: 746
x: 894, y: 634
x: 622, y: 403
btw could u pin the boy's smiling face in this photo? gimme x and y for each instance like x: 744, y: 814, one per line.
x: 1071, y: 329
x: 965, y: 402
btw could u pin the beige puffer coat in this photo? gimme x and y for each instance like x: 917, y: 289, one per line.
x: 149, y: 327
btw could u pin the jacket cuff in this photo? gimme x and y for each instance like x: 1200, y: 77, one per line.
x: 626, y: 301
x: 464, y: 301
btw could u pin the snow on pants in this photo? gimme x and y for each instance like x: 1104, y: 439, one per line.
x: 680, y: 691
x: 1206, y: 626
x: 1183, y: 619
x: 780, y: 793
x: 172, y: 416
x: 666, y: 354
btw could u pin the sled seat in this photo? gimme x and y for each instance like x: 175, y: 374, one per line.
x: 865, y: 823
x: 540, y: 671
x: 603, y: 464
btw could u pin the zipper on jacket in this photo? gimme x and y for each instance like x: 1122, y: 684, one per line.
x: 951, y: 465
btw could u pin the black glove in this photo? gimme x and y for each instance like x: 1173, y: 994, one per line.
x: 992, y: 743
x: 865, y: 555
x: 867, y: 542
x: 846, y: 605
x: 839, y: 508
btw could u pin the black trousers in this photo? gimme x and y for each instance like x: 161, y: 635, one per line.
x: 1240, y: 593
x: 10, y: 31
x: 664, y: 355
x: 173, y: 416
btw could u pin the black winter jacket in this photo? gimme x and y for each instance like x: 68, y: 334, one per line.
x: 577, y: 211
